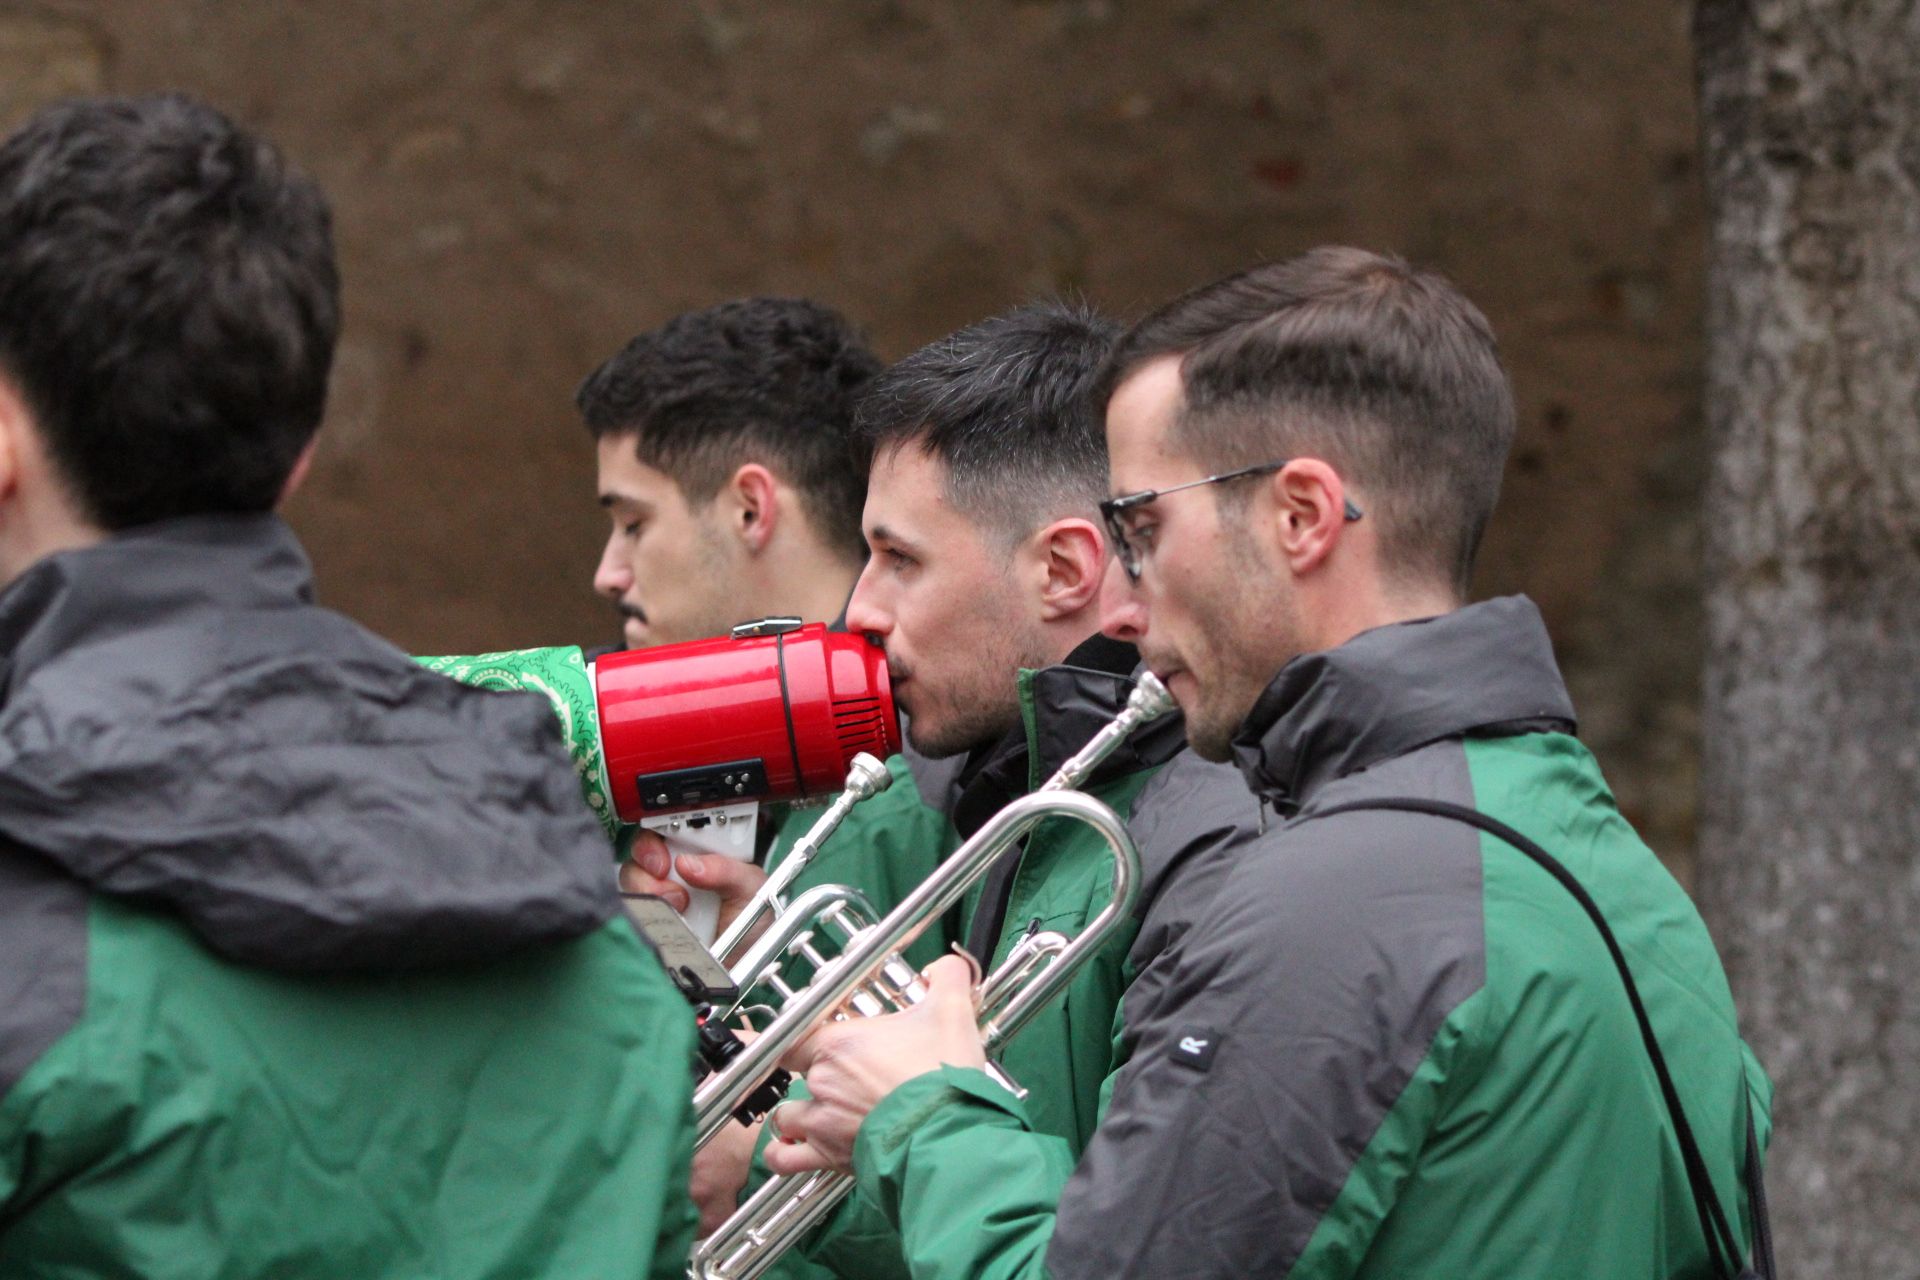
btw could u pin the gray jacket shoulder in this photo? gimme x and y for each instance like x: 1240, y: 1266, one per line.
x: 1192, y: 821
x: 43, y: 959
x: 1327, y: 955
x: 1368, y: 888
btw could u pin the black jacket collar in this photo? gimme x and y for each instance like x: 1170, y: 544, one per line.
x: 1486, y: 669
x: 146, y: 576
x: 1062, y: 707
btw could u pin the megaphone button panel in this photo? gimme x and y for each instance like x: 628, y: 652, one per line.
x: 704, y: 784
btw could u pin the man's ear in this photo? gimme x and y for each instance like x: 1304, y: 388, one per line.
x: 1308, y: 514
x: 298, y: 476
x: 13, y: 422
x: 754, y: 510
x: 1071, y: 557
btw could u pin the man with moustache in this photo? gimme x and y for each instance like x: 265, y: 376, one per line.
x: 1392, y: 1045
x: 727, y: 469
x: 986, y: 563
x: 732, y: 483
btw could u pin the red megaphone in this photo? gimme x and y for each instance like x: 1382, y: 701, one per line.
x: 775, y: 711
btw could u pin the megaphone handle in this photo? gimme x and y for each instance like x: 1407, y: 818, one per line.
x: 703, y: 905
x: 725, y: 830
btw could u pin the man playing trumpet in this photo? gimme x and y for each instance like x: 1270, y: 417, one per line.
x: 987, y: 558
x: 1390, y: 1044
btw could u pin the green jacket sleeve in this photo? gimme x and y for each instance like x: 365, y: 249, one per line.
x: 678, y: 1216
x: 953, y: 1159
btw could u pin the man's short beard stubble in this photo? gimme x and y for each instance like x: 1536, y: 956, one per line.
x: 1245, y: 617
x: 986, y: 709
x: 960, y: 733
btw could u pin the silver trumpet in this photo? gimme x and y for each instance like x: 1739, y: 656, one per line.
x: 719, y: 1042
x: 866, y: 777
x: 868, y: 976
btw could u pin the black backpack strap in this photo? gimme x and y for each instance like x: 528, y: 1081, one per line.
x: 1757, y: 1199
x: 1723, y: 1249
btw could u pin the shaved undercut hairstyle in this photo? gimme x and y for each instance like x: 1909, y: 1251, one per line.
x: 1385, y: 372
x: 1007, y: 407
x: 766, y: 380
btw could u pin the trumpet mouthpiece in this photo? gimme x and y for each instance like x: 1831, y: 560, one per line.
x: 1150, y: 699
x: 867, y: 776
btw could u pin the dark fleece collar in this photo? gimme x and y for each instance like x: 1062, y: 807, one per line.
x: 1484, y: 669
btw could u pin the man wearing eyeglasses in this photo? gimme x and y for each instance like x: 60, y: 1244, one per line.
x: 1392, y: 1045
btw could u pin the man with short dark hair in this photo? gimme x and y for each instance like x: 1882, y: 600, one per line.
x: 730, y: 474
x: 727, y: 468
x: 982, y: 442
x: 309, y: 960
x: 984, y: 586
x: 1392, y: 1044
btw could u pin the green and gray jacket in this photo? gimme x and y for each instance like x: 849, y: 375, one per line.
x: 1189, y: 819
x: 310, y: 961
x: 1392, y: 1045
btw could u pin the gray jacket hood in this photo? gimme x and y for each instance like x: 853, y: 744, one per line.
x: 179, y: 723
x: 1485, y: 669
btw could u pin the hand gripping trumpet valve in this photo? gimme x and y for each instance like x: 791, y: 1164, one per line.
x: 868, y: 977
x: 688, y: 963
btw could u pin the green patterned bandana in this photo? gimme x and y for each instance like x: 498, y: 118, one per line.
x: 562, y: 675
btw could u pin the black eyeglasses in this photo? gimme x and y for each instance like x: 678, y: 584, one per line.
x: 1113, y: 510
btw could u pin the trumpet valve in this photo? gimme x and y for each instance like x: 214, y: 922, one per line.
x: 1027, y: 957
x: 904, y: 980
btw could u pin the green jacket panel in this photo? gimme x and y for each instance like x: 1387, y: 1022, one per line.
x: 205, y: 1119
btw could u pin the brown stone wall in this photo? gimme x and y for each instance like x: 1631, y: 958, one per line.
x: 521, y: 184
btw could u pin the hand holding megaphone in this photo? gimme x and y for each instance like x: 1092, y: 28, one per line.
x: 652, y: 869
